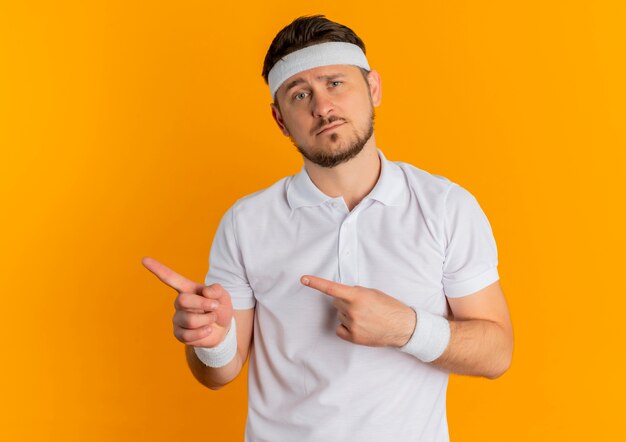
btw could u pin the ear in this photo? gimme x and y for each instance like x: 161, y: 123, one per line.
x: 279, y: 119
x: 376, y: 87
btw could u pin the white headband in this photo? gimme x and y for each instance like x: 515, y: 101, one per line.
x: 323, y: 54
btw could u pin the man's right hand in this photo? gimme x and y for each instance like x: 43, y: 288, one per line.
x: 203, y: 313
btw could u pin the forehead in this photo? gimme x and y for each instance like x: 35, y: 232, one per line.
x: 320, y: 73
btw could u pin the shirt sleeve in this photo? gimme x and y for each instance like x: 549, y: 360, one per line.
x: 471, y: 255
x: 226, y: 265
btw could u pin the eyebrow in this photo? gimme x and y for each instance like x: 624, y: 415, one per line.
x: 301, y: 80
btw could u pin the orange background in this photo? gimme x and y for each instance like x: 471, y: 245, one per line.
x: 128, y: 128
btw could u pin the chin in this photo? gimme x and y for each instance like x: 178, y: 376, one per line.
x: 332, y: 156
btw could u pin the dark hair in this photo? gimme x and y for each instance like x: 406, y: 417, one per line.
x: 307, y: 31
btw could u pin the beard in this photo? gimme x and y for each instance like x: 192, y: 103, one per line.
x: 347, y: 150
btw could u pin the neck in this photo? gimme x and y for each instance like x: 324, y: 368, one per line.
x: 352, y: 180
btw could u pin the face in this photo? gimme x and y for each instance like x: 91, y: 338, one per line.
x: 328, y: 112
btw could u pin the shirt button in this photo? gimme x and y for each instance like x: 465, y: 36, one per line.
x: 348, y: 252
x: 334, y: 204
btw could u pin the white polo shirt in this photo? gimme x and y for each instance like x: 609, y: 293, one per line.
x: 418, y: 237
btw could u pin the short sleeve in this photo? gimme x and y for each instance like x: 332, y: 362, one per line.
x: 471, y: 255
x: 226, y: 264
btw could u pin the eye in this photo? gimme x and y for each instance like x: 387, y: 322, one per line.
x: 300, y: 96
x: 335, y: 83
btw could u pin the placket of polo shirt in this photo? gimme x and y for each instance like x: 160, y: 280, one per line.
x: 348, y: 246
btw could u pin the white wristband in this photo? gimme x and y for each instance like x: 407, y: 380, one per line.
x: 222, y: 353
x: 430, y: 337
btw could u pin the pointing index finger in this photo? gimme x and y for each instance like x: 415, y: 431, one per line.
x: 330, y: 288
x: 170, y: 277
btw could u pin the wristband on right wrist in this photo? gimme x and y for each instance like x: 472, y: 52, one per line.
x: 221, y: 354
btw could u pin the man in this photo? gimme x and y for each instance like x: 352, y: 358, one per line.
x: 359, y: 284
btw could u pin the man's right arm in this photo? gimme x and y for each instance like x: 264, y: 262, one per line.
x: 216, y: 378
x: 202, y: 319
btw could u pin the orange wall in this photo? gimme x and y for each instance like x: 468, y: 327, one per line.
x: 128, y: 129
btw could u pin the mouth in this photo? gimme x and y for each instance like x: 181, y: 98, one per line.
x: 330, y: 127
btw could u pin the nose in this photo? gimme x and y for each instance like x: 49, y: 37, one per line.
x: 321, y: 104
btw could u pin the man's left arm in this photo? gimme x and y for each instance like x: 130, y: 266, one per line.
x: 481, y: 334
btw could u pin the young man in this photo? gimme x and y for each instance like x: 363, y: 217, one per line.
x: 359, y: 284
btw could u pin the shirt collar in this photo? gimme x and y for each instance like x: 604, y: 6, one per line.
x: 390, y: 189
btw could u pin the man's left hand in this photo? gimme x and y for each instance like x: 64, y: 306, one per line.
x: 367, y: 316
